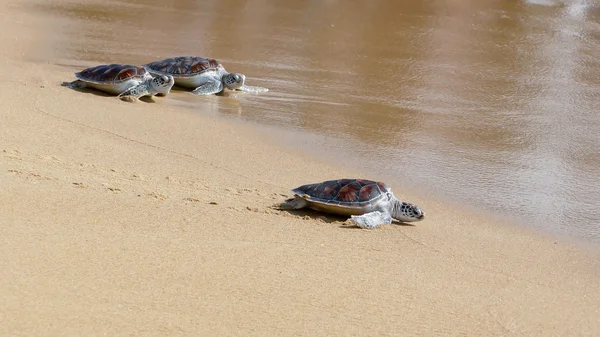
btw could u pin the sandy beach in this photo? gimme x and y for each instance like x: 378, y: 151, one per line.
x: 142, y: 219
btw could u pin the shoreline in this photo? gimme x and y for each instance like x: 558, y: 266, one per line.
x: 143, y: 219
x: 280, y: 137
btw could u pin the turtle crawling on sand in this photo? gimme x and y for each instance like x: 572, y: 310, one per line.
x: 368, y: 203
x: 205, y: 76
x: 126, y: 81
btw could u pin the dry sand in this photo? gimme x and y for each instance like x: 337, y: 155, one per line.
x: 145, y: 220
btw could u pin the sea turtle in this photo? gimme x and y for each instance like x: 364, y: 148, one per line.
x: 206, y: 76
x: 124, y: 80
x: 368, y: 203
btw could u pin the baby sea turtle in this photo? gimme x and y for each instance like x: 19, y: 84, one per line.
x: 205, y: 76
x: 124, y: 80
x: 368, y: 203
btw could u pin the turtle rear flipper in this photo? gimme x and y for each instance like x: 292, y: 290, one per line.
x: 77, y: 84
x: 297, y: 202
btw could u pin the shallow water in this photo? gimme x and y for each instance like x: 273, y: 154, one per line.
x: 488, y: 103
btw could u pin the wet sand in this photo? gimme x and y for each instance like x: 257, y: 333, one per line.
x: 146, y: 219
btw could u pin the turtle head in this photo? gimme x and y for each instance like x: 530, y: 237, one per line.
x: 407, y: 212
x: 162, y: 84
x: 234, y: 81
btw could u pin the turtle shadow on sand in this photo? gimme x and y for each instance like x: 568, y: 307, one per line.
x: 179, y: 89
x: 343, y: 221
x: 145, y: 99
x: 185, y: 91
x: 307, y: 212
x: 348, y: 225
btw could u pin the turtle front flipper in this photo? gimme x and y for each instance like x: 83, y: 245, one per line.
x: 136, y: 92
x: 212, y: 86
x: 371, y: 220
x: 253, y: 89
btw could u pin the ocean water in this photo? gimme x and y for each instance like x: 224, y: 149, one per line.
x: 492, y: 104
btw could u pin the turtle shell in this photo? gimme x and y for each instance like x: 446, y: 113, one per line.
x: 185, y: 66
x: 355, y: 193
x: 112, y: 73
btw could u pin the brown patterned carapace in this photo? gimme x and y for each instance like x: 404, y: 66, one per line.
x: 111, y: 73
x: 184, y: 65
x: 350, y: 192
